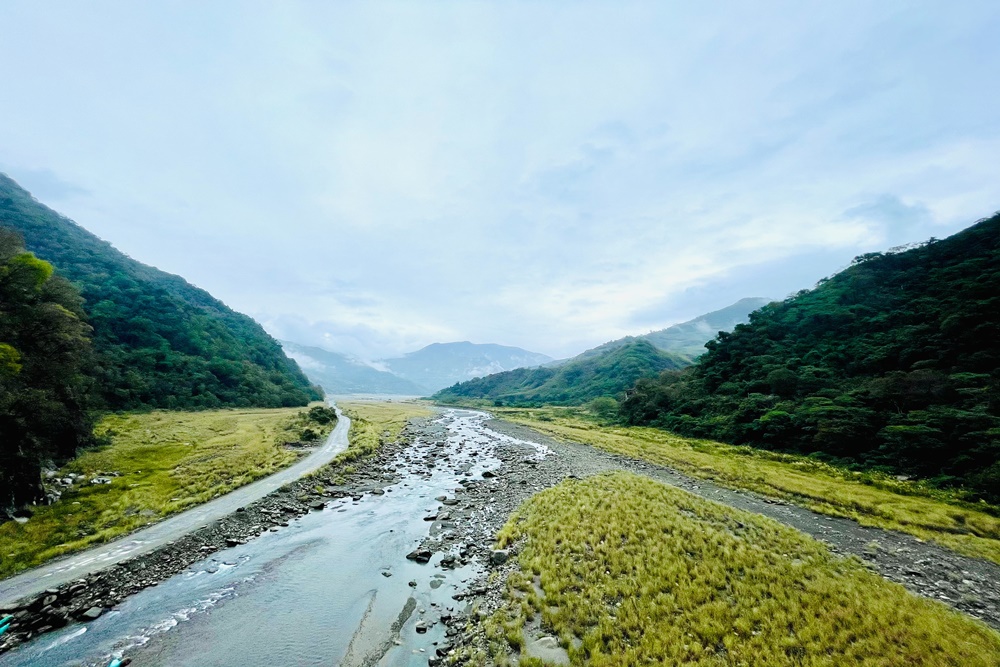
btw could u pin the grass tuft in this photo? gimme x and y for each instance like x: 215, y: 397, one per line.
x: 871, y: 499
x: 635, y: 572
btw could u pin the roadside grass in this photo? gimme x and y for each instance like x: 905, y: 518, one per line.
x: 627, y: 571
x: 168, y: 461
x: 373, y: 424
x: 871, y: 499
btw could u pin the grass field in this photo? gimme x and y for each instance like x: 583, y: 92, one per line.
x: 626, y: 571
x: 168, y: 461
x: 373, y: 423
x: 870, y: 499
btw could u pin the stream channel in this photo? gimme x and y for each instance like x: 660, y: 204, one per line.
x: 333, y: 588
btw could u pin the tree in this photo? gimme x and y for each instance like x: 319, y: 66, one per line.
x: 44, y: 348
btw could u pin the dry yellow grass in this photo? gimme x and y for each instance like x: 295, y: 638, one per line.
x: 168, y: 462
x: 871, y: 500
x: 626, y: 571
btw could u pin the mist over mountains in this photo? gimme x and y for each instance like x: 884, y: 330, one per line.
x: 441, y: 365
x: 418, y: 373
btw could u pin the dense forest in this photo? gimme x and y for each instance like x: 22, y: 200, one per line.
x: 159, y: 342
x: 589, y: 376
x: 894, y: 363
x: 44, y: 349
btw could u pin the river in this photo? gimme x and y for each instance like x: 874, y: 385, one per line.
x: 333, y: 588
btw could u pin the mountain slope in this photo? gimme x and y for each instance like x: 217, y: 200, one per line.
x: 893, y: 363
x: 159, y: 341
x: 581, y: 379
x: 687, y: 339
x: 339, y: 374
x: 443, y: 364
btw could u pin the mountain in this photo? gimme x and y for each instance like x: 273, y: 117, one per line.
x: 686, y: 340
x: 689, y: 338
x: 159, y: 342
x: 443, y: 364
x: 577, y: 381
x: 892, y: 364
x: 339, y: 374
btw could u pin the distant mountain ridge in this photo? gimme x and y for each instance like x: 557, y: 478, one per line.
x: 581, y: 379
x: 159, y: 342
x: 339, y: 374
x: 687, y: 339
x: 608, y: 369
x: 418, y: 373
x: 441, y: 365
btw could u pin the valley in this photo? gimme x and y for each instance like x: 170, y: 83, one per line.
x: 447, y: 484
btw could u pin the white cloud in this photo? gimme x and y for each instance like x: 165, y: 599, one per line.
x: 378, y: 176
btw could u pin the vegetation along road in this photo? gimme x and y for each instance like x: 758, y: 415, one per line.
x: 61, y: 571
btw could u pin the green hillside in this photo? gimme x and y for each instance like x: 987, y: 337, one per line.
x: 574, y: 382
x: 159, y: 342
x: 894, y: 363
x: 44, y: 348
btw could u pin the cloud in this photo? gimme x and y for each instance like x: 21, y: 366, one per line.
x: 45, y: 185
x: 380, y: 176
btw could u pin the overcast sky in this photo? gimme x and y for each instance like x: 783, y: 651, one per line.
x: 375, y: 177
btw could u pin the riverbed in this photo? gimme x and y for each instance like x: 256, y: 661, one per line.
x: 334, y: 587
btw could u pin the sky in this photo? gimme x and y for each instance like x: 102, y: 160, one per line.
x: 374, y: 177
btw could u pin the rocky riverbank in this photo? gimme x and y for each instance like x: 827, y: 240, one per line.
x: 463, y: 523
x: 88, y: 598
x: 969, y: 585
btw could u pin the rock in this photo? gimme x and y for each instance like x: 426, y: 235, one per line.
x: 451, y: 502
x: 317, y: 505
x: 499, y: 557
x: 421, y: 627
x: 420, y: 555
x: 91, y: 614
x: 488, y: 474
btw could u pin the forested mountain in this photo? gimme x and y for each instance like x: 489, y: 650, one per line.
x: 44, y: 346
x: 893, y: 363
x: 339, y: 374
x: 158, y: 341
x: 687, y: 339
x: 579, y: 380
x: 441, y: 365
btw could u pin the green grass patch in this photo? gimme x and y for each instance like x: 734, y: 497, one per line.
x: 374, y: 423
x: 627, y: 571
x: 871, y: 499
x: 168, y: 462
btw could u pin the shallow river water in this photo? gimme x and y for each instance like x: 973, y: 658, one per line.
x: 314, y: 593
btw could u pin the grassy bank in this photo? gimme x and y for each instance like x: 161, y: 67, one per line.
x: 374, y: 423
x: 870, y: 499
x: 166, y: 462
x: 627, y: 571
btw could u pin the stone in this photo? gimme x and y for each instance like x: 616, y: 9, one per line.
x: 499, y: 557
x: 92, y: 614
x: 420, y: 555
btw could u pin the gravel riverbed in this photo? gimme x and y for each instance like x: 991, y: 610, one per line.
x: 462, y: 528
